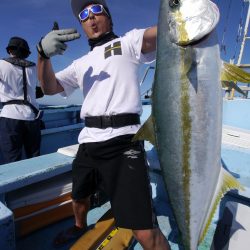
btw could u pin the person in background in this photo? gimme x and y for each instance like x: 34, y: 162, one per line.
x: 107, y: 157
x: 19, y: 118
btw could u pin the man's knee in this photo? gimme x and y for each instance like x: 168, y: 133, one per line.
x: 81, y: 202
x: 151, y: 239
x: 145, y: 235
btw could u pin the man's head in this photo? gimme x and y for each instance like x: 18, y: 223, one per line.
x: 18, y: 47
x: 94, y: 16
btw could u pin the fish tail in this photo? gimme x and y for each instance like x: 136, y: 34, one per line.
x: 226, y: 182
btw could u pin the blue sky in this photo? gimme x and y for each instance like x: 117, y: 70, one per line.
x: 32, y: 19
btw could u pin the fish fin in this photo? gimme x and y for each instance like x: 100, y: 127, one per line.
x: 146, y: 132
x: 225, y: 183
x: 232, y: 73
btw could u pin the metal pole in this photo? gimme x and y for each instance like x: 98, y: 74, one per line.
x: 145, y: 74
x: 245, y: 34
x: 243, y: 40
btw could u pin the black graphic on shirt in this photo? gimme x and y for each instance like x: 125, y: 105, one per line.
x: 114, y: 49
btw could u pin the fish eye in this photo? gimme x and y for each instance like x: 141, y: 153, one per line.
x: 174, y: 3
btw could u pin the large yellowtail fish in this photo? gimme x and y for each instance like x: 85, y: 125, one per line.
x: 187, y: 114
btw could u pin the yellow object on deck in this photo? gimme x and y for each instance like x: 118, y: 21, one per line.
x: 105, y: 235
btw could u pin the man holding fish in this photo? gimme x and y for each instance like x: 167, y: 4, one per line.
x: 108, y: 155
x: 111, y: 113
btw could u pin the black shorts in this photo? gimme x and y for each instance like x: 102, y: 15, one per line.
x: 119, y: 167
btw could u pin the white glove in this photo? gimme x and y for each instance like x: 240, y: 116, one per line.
x: 54, y: 42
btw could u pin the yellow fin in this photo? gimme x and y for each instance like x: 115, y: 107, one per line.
x: 225, y: 183
x: 231, y: 72
x: 146, y: 132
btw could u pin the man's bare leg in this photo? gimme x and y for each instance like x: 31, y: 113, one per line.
x: 81, y: 208
x: 151, y: 239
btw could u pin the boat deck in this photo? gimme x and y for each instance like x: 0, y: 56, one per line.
x: 236, y: 137
x: 235, y: 145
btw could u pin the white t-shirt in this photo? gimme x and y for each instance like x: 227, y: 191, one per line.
x: 11, y: 88
x: 108, y: 79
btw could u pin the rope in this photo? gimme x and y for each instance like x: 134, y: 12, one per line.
x: 240, y: 28
x: 223, y: 45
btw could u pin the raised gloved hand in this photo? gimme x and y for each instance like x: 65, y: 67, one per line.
x: 54, y: 42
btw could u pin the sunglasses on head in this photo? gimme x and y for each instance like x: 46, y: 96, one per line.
x: 95, y: 9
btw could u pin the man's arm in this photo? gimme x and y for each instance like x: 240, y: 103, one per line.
x: 149, y: 40
x: 47, y: 78
x: 52, y: 44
